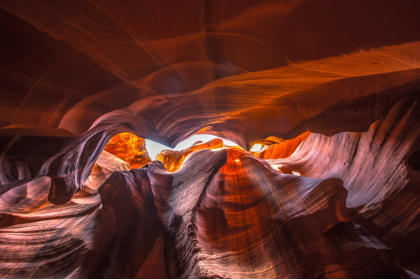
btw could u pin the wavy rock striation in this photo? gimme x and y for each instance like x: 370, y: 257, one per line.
x: 328, y: 89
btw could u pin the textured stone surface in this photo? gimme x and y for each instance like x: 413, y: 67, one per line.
x: 129, y: 148
x: 330, y: 89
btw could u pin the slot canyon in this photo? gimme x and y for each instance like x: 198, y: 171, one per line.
x: 210, y: 139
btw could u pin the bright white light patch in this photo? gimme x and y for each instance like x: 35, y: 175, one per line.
x: 276, y: 166
x: 296, y: 173
x: 256, y: 148
x: 200, y: 137
x: 154, y: 148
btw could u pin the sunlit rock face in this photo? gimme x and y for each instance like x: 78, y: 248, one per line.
x: 173, y: 160
x: 273, y: 147
x: 319, y: 97
x: 129, y: 148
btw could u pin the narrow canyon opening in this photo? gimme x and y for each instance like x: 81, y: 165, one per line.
x: 210, y: 139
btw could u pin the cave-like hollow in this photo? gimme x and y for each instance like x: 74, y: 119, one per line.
x: 312, y: 171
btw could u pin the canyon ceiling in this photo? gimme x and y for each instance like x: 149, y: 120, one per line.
x: 321, y: 98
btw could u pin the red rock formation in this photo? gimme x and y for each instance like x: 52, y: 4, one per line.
x: 273, y: 147
x: 129, y: 148
x: 173, y: 160
x: 331, y: 88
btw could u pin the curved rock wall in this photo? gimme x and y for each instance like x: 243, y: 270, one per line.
x: 334, y: 83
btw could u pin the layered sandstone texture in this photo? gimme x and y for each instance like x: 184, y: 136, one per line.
x: 321, y: 96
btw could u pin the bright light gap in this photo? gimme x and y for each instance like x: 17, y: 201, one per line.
x: 154, y: 148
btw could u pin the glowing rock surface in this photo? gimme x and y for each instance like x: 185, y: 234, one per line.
x: 319, y: 98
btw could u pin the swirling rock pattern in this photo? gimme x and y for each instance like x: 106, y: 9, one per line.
x: 330, y: 89
x: 387, y: 200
